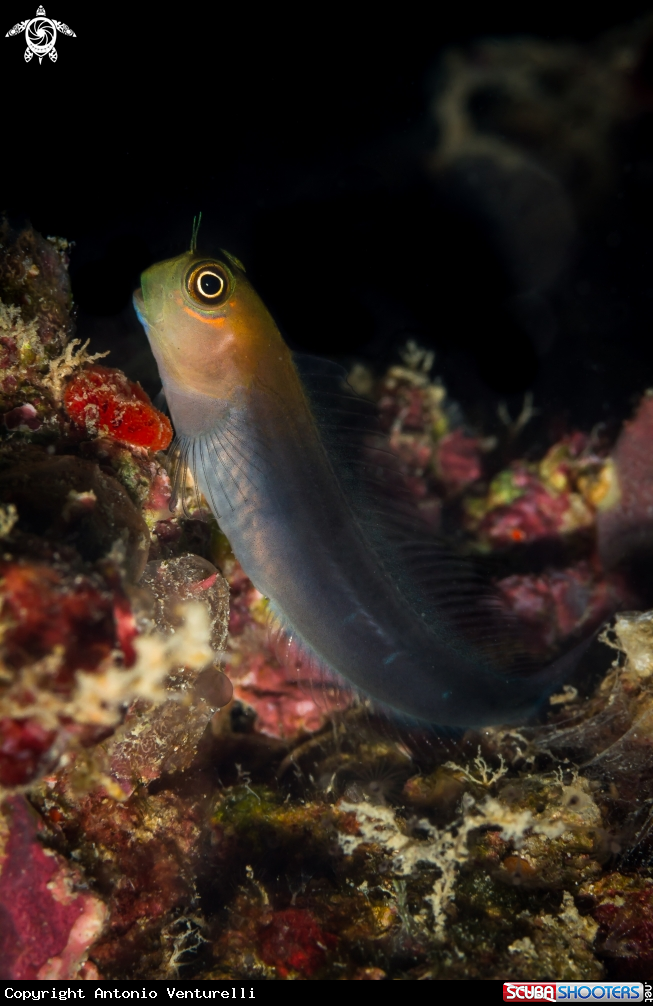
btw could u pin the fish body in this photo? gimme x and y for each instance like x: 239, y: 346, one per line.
x: 248, y: 430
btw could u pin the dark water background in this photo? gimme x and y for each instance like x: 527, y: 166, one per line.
x: 307, y: 143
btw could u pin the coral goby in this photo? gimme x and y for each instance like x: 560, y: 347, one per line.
x: 108, y: 404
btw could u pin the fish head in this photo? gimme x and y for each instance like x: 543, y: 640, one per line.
x: 206, y: 324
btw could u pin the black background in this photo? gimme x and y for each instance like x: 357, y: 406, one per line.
x: 302, y: 135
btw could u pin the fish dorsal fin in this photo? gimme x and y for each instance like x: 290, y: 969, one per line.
x: 350, y: 430
x: 438, y: 583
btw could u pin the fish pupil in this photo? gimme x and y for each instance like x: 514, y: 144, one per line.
x: 210, y: 284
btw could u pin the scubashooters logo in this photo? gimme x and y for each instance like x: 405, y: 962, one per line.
x: 40, y: 35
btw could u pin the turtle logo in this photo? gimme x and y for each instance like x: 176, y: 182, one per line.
x: 40, y: 35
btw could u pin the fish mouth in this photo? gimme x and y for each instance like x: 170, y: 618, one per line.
x: 139, y: 306
x: 138, y: 301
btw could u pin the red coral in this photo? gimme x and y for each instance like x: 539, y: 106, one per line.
x: 46, y: 928
x: 108, y: 404
x: 293, y: 940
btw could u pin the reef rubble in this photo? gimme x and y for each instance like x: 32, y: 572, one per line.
x: 181, y: 798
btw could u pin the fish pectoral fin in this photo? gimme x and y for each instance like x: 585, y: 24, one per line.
x: 295, y: 655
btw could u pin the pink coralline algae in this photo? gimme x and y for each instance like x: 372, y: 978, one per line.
x: 458, y: 460
x: 436, y: 455
x: 555, y: 604
x: 48, y: 922
x: 534, y: 512
x: 625, y: 521
x: 288, y: 697
x: 283, y: 704
x: 23, y: 418
x: 555, y: 497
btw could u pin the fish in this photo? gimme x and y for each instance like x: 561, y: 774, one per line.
x: 277, y: 446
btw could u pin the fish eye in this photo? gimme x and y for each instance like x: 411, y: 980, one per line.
x: 208, y: 283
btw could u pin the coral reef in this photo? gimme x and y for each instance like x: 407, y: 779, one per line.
x: 104, y: 684
x: 183, y: 798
